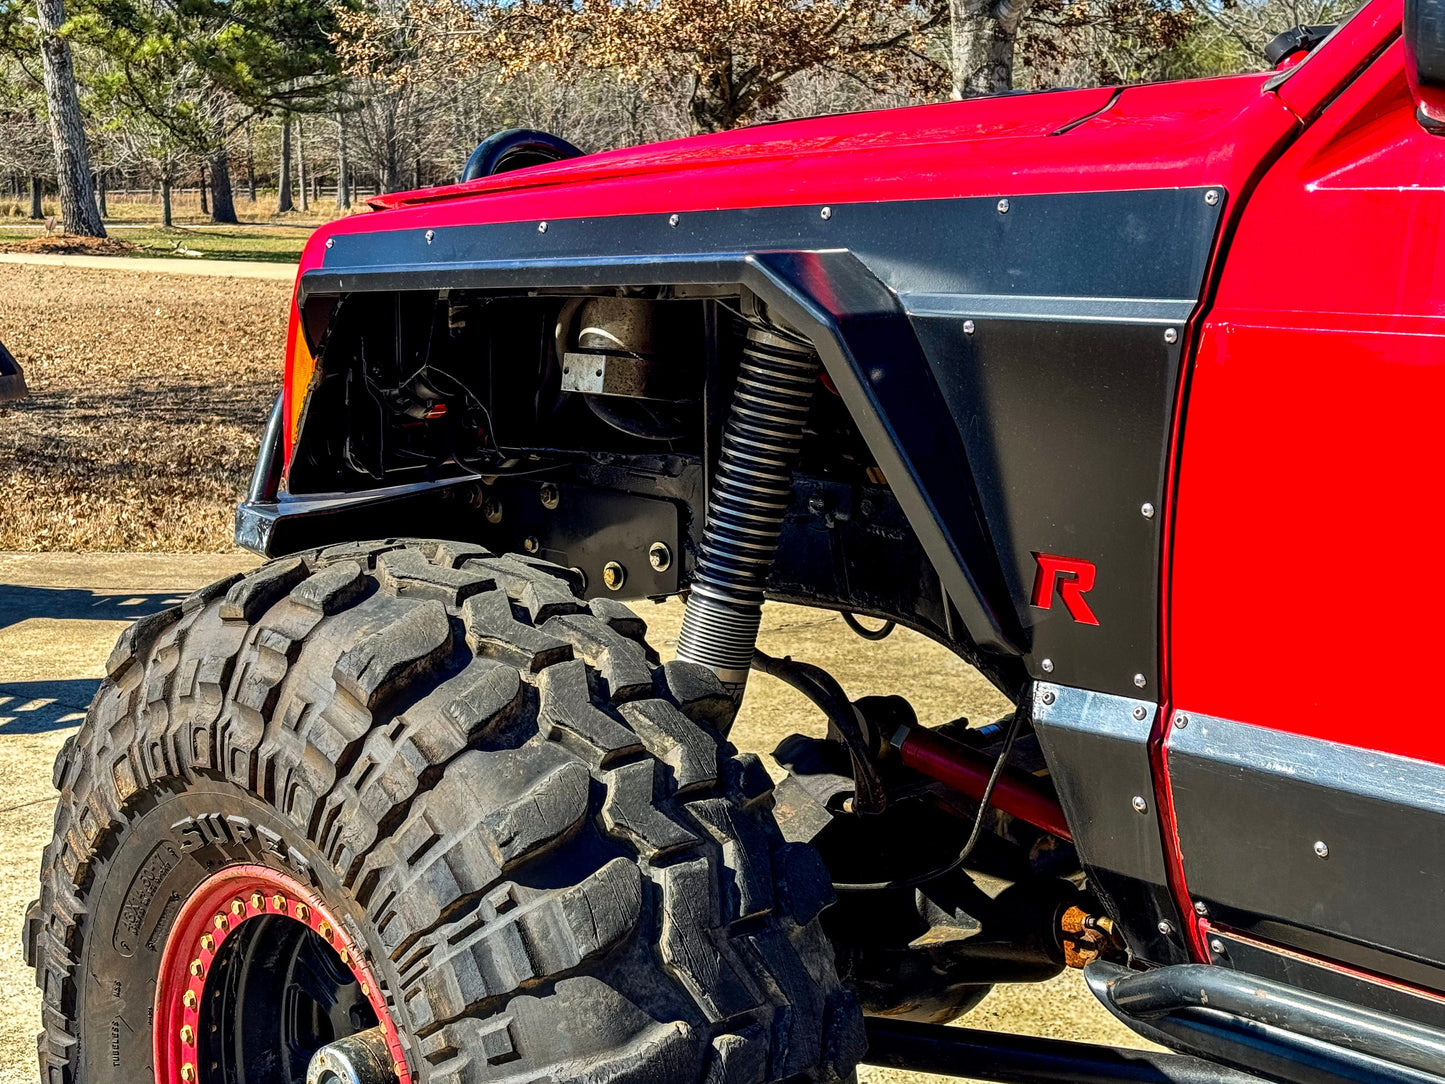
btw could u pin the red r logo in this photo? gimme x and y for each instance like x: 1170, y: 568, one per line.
x: 1074, y: 578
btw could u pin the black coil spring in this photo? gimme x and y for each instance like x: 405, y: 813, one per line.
x: 749, y: 498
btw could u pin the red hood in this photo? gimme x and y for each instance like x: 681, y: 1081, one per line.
x: 1164, y: 135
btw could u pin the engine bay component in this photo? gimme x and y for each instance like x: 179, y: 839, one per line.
x: 362, y: 1058
x: 761, y: 441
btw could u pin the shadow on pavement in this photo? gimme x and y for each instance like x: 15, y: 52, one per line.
x: 22, y: 603
x: 30, y: 707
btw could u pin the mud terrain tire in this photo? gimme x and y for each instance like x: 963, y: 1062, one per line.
x: 557, y: 868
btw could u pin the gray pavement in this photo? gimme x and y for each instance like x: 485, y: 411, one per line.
x: 61, y: 613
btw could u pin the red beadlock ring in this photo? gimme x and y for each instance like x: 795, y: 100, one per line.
x: 217, y: 907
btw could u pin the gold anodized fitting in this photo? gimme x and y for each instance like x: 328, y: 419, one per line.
x: 238, y: 907
x: 324, y: 930
x: 258, y: 901
x: 302, y: 911
x: 208, y: 943
x: 188, y: 999
x: 220, y: 921
x: 188, y: 1072
x: 365, y: 990
x: 188, y: 1035
x: 345, y: 956
x: 278, y: 901
x: 197, y: 968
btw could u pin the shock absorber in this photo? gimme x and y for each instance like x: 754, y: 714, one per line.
x: 750, y: 495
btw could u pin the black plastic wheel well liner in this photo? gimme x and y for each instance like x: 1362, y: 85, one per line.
x: 868, y: 348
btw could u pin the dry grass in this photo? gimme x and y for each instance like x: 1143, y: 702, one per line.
x: 148, y: 397
x: 66, y: 245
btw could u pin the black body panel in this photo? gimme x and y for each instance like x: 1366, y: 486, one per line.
x: 1043, y: 429
x: 1331, y: 850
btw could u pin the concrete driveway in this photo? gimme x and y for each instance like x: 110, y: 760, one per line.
x: 61, y: 613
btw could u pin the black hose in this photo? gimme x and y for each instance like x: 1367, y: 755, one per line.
x: 880, y: 633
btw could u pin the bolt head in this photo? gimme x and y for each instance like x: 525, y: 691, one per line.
x: 1200, y: 909
x: 1047, y: 698
x: 581, y: 577
x: 826, y: 213
x: 1321, y: 848
x: 430, y: 236
x: 968, y: 328
x: 1140, y: 680
x: 1139, y: 713
x: 673, y: 220
x: 549, y: 495
x: 303, y: 912
x: 1003, y: 206
x: 1146, y: 510
x: 1171, y: 335
x: 278, y: 901
x: 1166, y: 927
x: 1216, y: 946
x: 1139, y: 804
x: 531, y: 544
x: 492, y: 510
x: 1181, y: 721
x: 541, y: 227
x: 1211, y: 197
x: 188, y: 999
x: 188, y: 1035
x: 875, y: 375
x: 613, y: 576
x: 1047, y: 666
x: 330, y: 242
x: 659, y: 557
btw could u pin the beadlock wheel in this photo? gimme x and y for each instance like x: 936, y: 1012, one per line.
x: 421, y: 788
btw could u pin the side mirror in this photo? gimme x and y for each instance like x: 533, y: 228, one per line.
x: 1424, y: 32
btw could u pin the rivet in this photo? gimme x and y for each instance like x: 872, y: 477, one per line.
x: 1321, y: 849
x: 303, y: 912
x: 673, y: 220
x: 219, y: 921
x: 1166, y: 927
x: 968, y: 328
x: 238, y: 907
x: 1146, y: 510
x: 258, y: 901
x: 1181, y: 721
x: 1200, y: 909
x: 530, y: 544
x: 197, y: 968
x: 1139, y: 804
x: 613, y: 576
x: 1140, y: 680
x: 1047, y: 666
x: 1211, y: 197
x: 430, y: 236
x: 541, y: 227
x: 208, y: 943
x: 188, y: 999
x: 324, y: 930
x: 826, y: 213
x: 1139, y: 713
x: 659, y: 557
x: 278, y: 901
x: 188, y: 1072
x: 1216, y: 946
x: 1003, y: 206
x: 330, y: 241
x: 188, y: 1034
x: 1171, y: 335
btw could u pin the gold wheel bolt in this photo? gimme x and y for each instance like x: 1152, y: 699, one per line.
x: 220, y: 921
x: 398, y: 1068
x: 188, y: 1036
x: 208, y: 943
x: 258, y: 901
x: 302, y: 912
x: 197, y: 968
x: 324, y: 930
x: 188, y: 1072
x: 188, y: 999
x: 345, y: 956
x: 278, y: 901
x: 365, y: 990
x: 238, y: 907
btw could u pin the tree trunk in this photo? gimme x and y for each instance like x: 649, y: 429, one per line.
x: 100, y: 194
x: 343, y: 177
x: 416, y: 173
x: 166, y: 202
x: 67, y: 126
x: 284, y: 202
x: 37, y: 198
x: 984, y: 33
x: 223, y: 203
x: 204, y: 209
x: 250, y: 165
x: 301, y: 164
